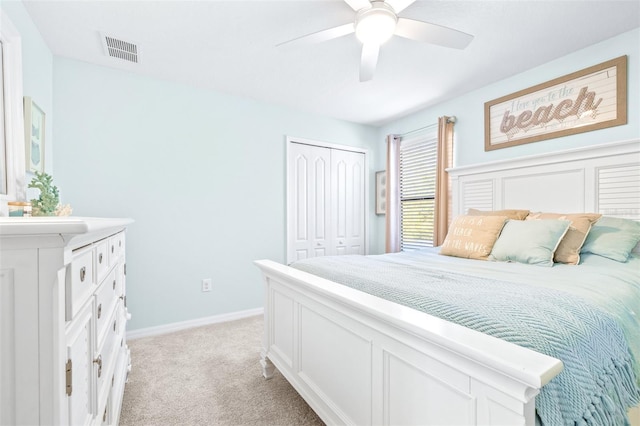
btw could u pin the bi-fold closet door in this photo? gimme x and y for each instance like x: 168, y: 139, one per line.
x: 325, y: 201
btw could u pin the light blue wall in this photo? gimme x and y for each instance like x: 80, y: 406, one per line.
x: 37, y: 70
x: 469, y: 110
x: 202, y: 174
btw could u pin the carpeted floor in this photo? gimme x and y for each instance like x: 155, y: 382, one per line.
x: 208, y: 375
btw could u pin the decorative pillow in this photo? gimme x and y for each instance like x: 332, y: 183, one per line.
x: 472, y: 237
x: 511, y: 214
x: 569, y: 249
x: 612, y: 237
x: 529, y: 241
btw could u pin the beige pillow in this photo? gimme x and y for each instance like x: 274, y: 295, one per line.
x: 568, y: 250
x: 472, y: 237
x: 511, y: 214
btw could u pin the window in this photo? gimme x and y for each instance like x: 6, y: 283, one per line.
x: 418, y: 165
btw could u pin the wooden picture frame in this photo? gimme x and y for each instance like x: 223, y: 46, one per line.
x: 381, y: 192
x: 34, y: 121
x: 590, y: 99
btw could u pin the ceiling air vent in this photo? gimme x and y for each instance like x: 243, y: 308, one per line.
x: 117, y: 48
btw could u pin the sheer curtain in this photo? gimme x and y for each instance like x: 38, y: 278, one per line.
x: 442, y: 195
x: 392, y: 211
x: 443, y: 187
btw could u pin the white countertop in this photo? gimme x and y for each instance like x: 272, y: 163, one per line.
x: 64, y: 225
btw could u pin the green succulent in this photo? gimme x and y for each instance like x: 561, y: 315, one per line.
x: 46, y: 203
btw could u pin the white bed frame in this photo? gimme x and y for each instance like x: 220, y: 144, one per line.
x: 358, y: 359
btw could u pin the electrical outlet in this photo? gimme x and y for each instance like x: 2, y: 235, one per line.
x: 206, y: 284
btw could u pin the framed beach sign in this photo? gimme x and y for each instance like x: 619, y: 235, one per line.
x: 34, y: 136
x: 591, y: 99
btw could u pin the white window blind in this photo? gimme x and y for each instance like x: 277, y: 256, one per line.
x: 417, y: 190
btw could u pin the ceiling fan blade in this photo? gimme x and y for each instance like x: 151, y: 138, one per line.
x: 399, y: 5
x: 321, y: 36
x: 358, y: 4
x: 432, y: 33
x: 368, y: 60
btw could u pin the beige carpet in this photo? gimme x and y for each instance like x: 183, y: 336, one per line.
x: 208, y: 375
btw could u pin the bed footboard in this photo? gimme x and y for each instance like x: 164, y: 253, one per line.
x: 358, y: 359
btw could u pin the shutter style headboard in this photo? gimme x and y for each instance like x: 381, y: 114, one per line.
x: 598, y: 179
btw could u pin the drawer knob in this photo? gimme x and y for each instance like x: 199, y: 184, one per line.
x: 114, y: 284
x: 114, y: 326
x: 99, y: 310
x: 100, y: 258
x: 83, y: 273
x: 99, y: 362
x: 112, y: 248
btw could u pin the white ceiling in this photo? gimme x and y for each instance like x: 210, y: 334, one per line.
x: 230, y: 46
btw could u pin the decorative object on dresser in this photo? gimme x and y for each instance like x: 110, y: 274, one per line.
x: 34, y: 135
x: 590, y: 99
x: 63, y: 353
x: 48, y: 202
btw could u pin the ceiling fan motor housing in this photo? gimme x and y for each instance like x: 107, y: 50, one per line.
x: 376, y: 24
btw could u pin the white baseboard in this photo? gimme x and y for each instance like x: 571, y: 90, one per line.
x: 183, y: 325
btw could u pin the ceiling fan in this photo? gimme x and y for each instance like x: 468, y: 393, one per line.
x: 375, y: 22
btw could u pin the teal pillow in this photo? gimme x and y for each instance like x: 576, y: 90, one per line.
x: 613, y: 238
x: 529, y: 241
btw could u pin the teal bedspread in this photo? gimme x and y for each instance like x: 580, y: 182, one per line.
x: 588, y: 316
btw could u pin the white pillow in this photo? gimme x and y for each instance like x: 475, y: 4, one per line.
x: 529, y: 241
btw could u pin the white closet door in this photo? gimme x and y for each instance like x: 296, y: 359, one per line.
x: 348, y: 208
x: 308, y: 198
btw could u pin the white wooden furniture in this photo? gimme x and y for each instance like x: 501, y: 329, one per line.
x: 326, y: 199
x: 358, y: 359
x: 63, y: 353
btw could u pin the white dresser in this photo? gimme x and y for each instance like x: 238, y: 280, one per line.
x: 63, y: 354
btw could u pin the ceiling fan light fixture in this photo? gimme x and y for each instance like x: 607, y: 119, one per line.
x: 376, y: 24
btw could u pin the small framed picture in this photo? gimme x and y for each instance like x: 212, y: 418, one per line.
x: 34, y: 136
x: 381, y: 192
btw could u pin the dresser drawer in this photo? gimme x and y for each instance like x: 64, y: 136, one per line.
x: 80, y: 281
x: 119, y: 287
x: 107, y: 357
x: 102, y: 259
x: 116, y: 246
x: 107, y: 297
